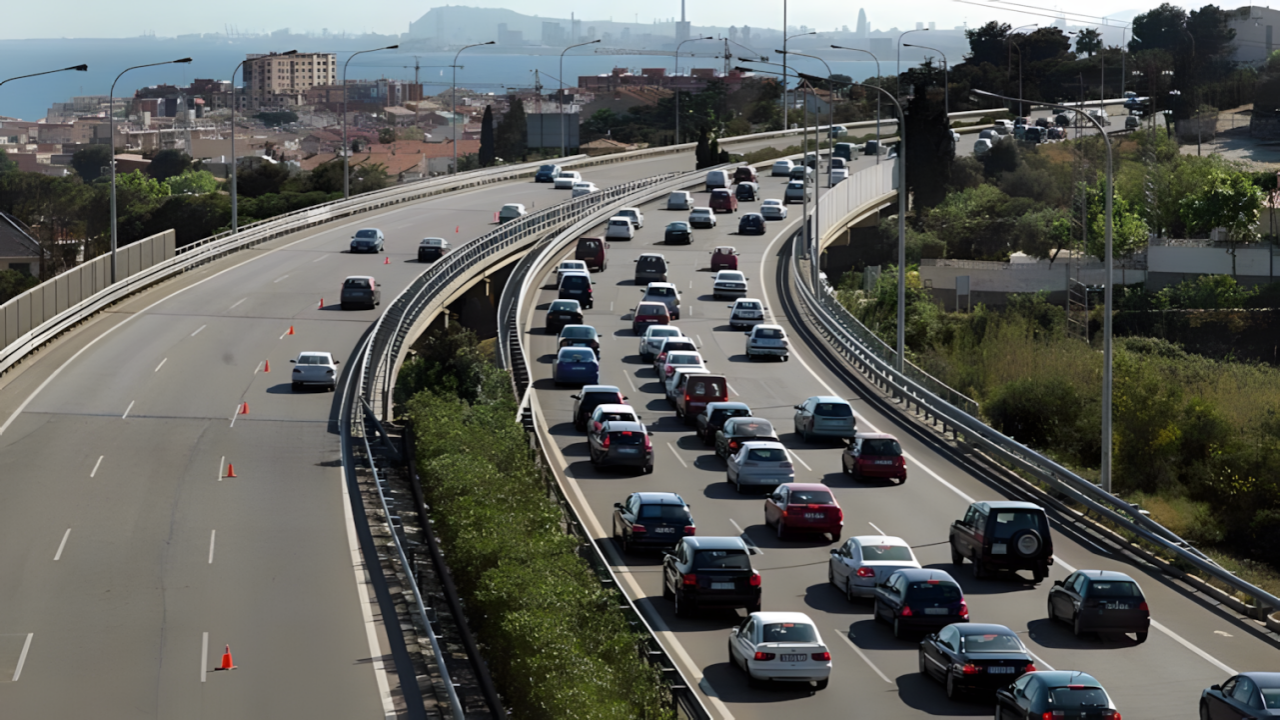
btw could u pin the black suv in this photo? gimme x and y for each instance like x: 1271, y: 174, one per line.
x: 576, y: 286
x: 704, y: 572
x: 651, y: 519
x: 714, y: 417
x: 591, y: 397
x: 1003, y: 535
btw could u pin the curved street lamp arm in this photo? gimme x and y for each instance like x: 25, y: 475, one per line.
x: 81, y: 68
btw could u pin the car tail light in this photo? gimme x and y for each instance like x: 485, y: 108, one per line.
x: 839, y: 515
x: 638, y: 528
x: 866, y: 572
x: 755, y: 579
x: 1031, y: 667
x: 690, y: 579
x: 900, y: 461
x: 605, y: 442
x: 970, y: 669
x: 686, y: 397
x: 822, y: 656
x: 785, y: 465
x: 1143, y: 607
x: 690, y: 530
x: 648, y: 442
x: 733, y: 444
x: 906, y: 611
x: 1111, y: 715
x: 1051, y: 714
x: 764, y: 656
x: 964, y: 609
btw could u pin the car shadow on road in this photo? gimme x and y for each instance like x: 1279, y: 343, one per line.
x: 577, y: 449
x: 721, y: 489
x: 731, y: 686
x: 926, y: 695
x: 656, y: 388
x: 1001, y: 584
x: 656, y: 405
x: 708, y: 460
x: 827, y: 598
x: 546, y: 359
x: 564, y: 429
x: 625, y: 332
x: 741, y: 358
x: 1057, y: 634
x: 868, y: 634
x: 634, y: 360
x: 286, y: 388
x: 766, y: 537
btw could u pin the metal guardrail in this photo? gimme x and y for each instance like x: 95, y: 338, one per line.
x: 1006, y: 449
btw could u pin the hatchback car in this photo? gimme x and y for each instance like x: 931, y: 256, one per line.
x: 649, y: 313
x: 768, y: 341
x: 672, y: 384
x: 561, y: 313
x: 874, y: 455
x: 665, y: 293
x: 865, y: 561
x: 577, y: 286
x: 823, y: 416
x: 610, y: 411
x: 367, y: 240
x: 751, y: 224
x: 584, y: 188
x: 678, y: 233
x: 566, y: 179
x: 680, y: 200
x: 837, y: 131
x: 651, y: 520
x: 724, y: 257
x: 592, y: 251
x: 765, y: 464
x: 781, y: 647
x: 571, y: 266
x: 1247, y: 695
x: 674, y: 344
x: 706, y: 572
x: 579, y: 336
x: 654, y: 336
x: 735, y: 431
x: 591, y: 397
x: 795, y: 192
x: 801, y: 173
x: 651, y: 267
x: 547, y: 173
x: 1055, y: 694
x: 1003, y: 535
x: 314, y: 368
x: 715, y: 415
x: 694, y: 392
x: 839, y: 163
x: 511, y: 211
x: 619, y: 228
x: 747, y: 192
x: 360, y: 291
x: 974, y: 657
x: 1100, y: 601
x: 575, y: 366
x: 804, y: 508
x: 782, y: 168
x: 679, y: 360
x: 912, y: 600
x: 432, y: 249
x: 837, y: 175
x: 844, y: 150
x: 773, y: 209
x: 702, y: 217
x: 620, y: 443
x: 723, y: 201
x: 745, y: 174
x: 729, y: 283
x: 746, y: 312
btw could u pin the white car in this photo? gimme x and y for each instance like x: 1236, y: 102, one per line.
x: 837, y: 175
x: 568, y: 266
x: 637, y: 217
x: 584, y: 188
x: 680, y: 200
x: 703, y: 217
x: 314, y: 368
x: 669, y: 344
x: 838, y: 130
x: 839, y: 162
x: 511, y: 211
x: 795, y: 192
x: 863, y: 562
x: 611, y: 411
x: 746, y: 312
x: 619, y: 228
x: 665, y: 293
x: 768, y: 341
x: 654, y: 336
x: 566, y: 179
x: 782, y: 168
x: 681, y: 360
x: 981, y: 147
x: 780, y: 646
x: 729, y: 283
x: 773, y: 209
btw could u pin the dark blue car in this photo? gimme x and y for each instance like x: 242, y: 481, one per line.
x: 751, y: 224
x: 575, y: 366
x: 547, y: 173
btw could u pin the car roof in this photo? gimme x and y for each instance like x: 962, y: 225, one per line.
x: 513, y: 205
x: 1065, y: 677
x: 314, y: 352
x: 651, y: 328
x: 746, y: 300
x: 622, y: 218
x: 579, y: 325
x: 775, y: 616
x: 1104, y: 575
x: 651, y: 304
x: 806, y: 486
x: 624, y: 426
x: 923, y: 574
x: 749, y: 419
x: 660, y: 285
x: 674, y: 222
x: 565, y: 302
x: 657, y: 255
x: 715, y: 543
x: 982, y: 629
x: 727, y: 272
x: 726, y: 249
x: 767, y: 327
x: 575, y: 262
x: 701, y: 210
x: 674, y: 338
x: 614, y: 407
x: 730, y: 405
x: 676, y: 353
x: 660, y: 498
x: 773, y: 201
x: 434, y: 241
x: 1009, y: 505
x: 601, y: 388
x: 750, y: 215
x: 566, y: 350
x: 829, y: 399
x: 762, y: 444
x: 879, y: 539
x: 871, y: 435
x: 359, y: 277
x: 1264, y: 679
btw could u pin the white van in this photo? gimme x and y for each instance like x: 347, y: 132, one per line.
x: 782, y: 168
x: 620, y: 228
x: 680, y: 200
x: 717, y: 179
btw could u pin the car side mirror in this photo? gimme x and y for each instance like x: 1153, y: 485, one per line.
x: 576, y: 397
x: 293, y: 361
x: 1058, y: 583
x: 753, y: 550
x: 624, y: 397
x: 798, y: 407
x: 835, y: 553
x: 1215, y: 687
x: 337, y: 362
x: 618, y: 505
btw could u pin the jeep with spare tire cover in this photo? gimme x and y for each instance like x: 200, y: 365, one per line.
x: 1003, y: 535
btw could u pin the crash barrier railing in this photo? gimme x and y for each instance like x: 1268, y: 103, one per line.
x: 971, y: 430
x: 512, y: 355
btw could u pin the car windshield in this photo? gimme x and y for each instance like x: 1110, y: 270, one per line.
x: 678, y: 227
x: 577, y: 357
x: 578, y: 332
x: 564, y: 306
x: 361, y: 283
x: 722, y: 415
x: 663, y: 512
x: 700, y: 388
x: 811, y: 497
x: 660, y: 332
x: 661, y: 292
x: 757, y: 428
x: 620, y: 222
x: 788, y: 632
x: 1114, y: 589
x: 732, y: 559
x: 313, y: 360
x: 827, y: 409
x: 888, y: 553
x: 671, y: 346
x: 767, y: 454
x: 990, y: 643
x: 1009, y: 522
x: 1077, y: 698
x: 881, y: 446
x: 719, y: 194
x: 547, y: 168
x: 769, y: 333
x: 748, y: 306
x: 366, y: 233
x: 936, y: 591
x: 627, y: 437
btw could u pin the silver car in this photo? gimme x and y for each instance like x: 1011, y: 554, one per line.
x: 773, y: 209
x: 665, y: 293
x: 729, y: 283
x: 795, y: 192
x: 315, y: 368
x: 745, y: 312
x: 864, y: 561
x: 654, y: 336
x: 768, y: 340
x: 702, y: 217
x: 825, y: 416
x: 764, y: 464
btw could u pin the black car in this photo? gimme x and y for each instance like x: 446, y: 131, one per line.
x: 1100, y: 601
x: 974, y: 657
x: 705, y: 572
x: 621, y: 443
x: 747, y: 191
x: 677, y: 233
x: 1066, y: 694
x: 737, y: 430
x: 580, y: 336
x: 591, y: 396
x: 360, y: 291
x: 651, y: 519
x: 1003, y: 535
x: 713, y: 418
x: 1247, y: 695
x: 577, y: 286
x: 751, y: 224
x: 547, y: 173
x: 915, y: 599
x: 561, y: 313
x: 367, y: 240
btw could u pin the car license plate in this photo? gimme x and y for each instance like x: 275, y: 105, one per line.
x: 721, y: 586
x: 1116, y: 606
x: 628, y: 451
x: 793, y: 658
x: 664, y: 530
x: 997, y: 670
x: 814, y: 516
x: 936, y: 611
x: 884, y: 462
x: 999, y: 549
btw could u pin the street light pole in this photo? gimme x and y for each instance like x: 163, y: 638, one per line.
x: 346, y: 151
x: 878, y: 75
x: 785, y: 108
x: 81, y: 68
x: 235, y: 211
x: 673, y: 80
x: 561, y: 103
x: 946, y: 87
x: 897, y: 80
x: 831, y: 113
x: 1107, y: 312
x: 111, y: 140
x: 1009, y: 40
x: 453, y: 109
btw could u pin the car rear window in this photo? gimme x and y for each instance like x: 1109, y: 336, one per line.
x: 721, y: 194
x: 663, y: 512
x: 788, y: 632
x: 1114, y: 589
x: 662, y: 292
x: 731, y: 276
x: 767, y: 454
x: 768, y: 334
x: 680, y: 346
x: 626, y: 437
x: 575, y: 282
x: 683, y: 360
x: 753, y: 429
x: 606, y: 417
x: 990, y: 643
x: 564, y: 306
x: 748, y: 306
x: 1077, y: 698
x: 730, y: 559
x: 592, y: 245
x: 600, y: 397
x: 313, y: 360
x: 1271, y: 698
x: 577, y: 357
x: 889, y: 553
x: 705, y: 388
x: 651, y: 309
x: 652, y: 263
x: 578, y: 332
x: 833, y: 410
x: 1009, y: 522
x: 881, y: 446
x: 934, y: 591
x: 359, y: 283
x: 620, y: 222
x: 811, y: 497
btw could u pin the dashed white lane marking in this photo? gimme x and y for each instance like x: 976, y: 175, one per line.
x: 610, y: 307
x: 126, y: 410
x: 258, y: 368
x: 58, y: 555
x: 235, y: 414
x: 745, y: 539
x: 802, y: 462
x: 94, y: 471
x: 279, y: 278
x: 865, y: 659
x: 677, y: 454
x: 213, y: 534
x: 233, y: 307
x: 319, y: 258
x: 286, y: 332
x: 633, y: 385
x: 162, y: 362
x: 221, y: 464
x: 22, y: 658
x: 204, y: 658
x: 197, y: 332
x: 699, y: 340
x: 873, y: 527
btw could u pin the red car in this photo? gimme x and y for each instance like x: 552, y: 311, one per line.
x: 649, y: 313
x: 724, y: 257
x: 874, y: 455
x: 804, y: 507
x: 746, y: 173
x: 723, y: 201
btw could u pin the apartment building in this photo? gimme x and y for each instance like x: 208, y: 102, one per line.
x: 273, y: 80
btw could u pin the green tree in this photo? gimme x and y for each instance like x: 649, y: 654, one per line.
x: 276, y: 118
x: 975, y: 224
x: 92, y: 162
x: 14, y: 283
x: 1228, y: 200
x: 1128, y: 230
x: 193, y: 182
x: 987, y: 44
x: 1088, y: 41
x: 487, y: 151
x: 191, y: 217
x: 169, y: 163
x: 146, y: 188
x: 262, y: 179
x: 930, y: 146
x: 1160, y: 28
x: 511, y: 137
x: 386, y: 135
x: 6, y: 165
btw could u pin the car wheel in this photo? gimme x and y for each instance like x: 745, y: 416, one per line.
x: 1038, y: 575
x: 835, y: 536
x: 666, y: 591
x: 979, y: 569
x: 626, y: 545
x: 648, y: 469
x: 875, y: 611
x: 999, y: 713
x: 1053, y: 616
x: 1075, y: 626
x: 1142, y: 636
x: 951, y: 686
x: 844, y: 466
x: 848, y: 589
x: 897, y: 629
x: 737, y: 485
x: 956, y: 557
x: 831, y: 575
x: 822, y: 684
x: 1204, y: 711
x: 680, y: 609
x: 924, y: 670
x: 781, y: 528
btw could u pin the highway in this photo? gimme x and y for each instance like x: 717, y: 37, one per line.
x: 1192, y: 645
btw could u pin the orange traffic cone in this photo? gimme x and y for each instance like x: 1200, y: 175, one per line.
x: 290, y: 330
x: 321, y: 303
x: 266, y: 366
x: 244, y: 408
x: 227, y: 664
x: 231, y: 471
x: 386, y: 261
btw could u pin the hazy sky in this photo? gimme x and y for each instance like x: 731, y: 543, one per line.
x: 167, y: 18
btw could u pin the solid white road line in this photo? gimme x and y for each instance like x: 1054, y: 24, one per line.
x: 126, y: 410
x: 873, y: 526
x: 286, y: 332
x: 235, y: 414
x: 319, y: 258
x: 197, y: 332
x: 280, y: 278
x: 365, y: 602
x: 233, y: 307
x: 213, y: 534
x: 865, y: 659
x: 802, y: 462
x: 1040, y: 663
x: 58, y: 555
x: 95, y: 466
x: 17, y: 672
x: 221, y: 464
x: 162, y: 362
x: 677, y: 454
x: 1188, y: 645
x: 204, y: 658
x: 257, y: 368
x: 699, y: 340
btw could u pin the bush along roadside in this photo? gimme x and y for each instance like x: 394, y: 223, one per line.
x: 553, y: 637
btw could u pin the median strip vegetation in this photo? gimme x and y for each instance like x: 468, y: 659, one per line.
x: 553, y: 636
